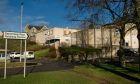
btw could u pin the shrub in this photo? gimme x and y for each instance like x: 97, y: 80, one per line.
x: 30, y: 42
x: 52, y: 52
x: 67, y: 52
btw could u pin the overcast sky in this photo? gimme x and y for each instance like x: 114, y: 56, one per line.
x: 35, y: 12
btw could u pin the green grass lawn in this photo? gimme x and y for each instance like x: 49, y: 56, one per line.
x: 35, y: 47
x: 101, y: 73
x: 11, y: 65
x: 41, y: 53
x: 54, y: 77
x: 84, y: 74
x: 17, y: 64
x: 121, y: 70
x: 132, y: 66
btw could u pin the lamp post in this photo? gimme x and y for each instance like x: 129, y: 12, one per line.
x: 21, y: 29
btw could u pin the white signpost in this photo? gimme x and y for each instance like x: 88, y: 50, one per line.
x: 14, y: 35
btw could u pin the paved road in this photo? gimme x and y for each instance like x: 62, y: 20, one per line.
x: 46, y: 65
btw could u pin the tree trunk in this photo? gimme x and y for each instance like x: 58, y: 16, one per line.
x: 86, y: 56
x: 137, y: 17
x: 72, y: 58
x: 122, y: 46
x: 138, y: 36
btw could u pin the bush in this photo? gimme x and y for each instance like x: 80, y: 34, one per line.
x: 52, y: 52
x: 30, y: 42
x: 72, y: 51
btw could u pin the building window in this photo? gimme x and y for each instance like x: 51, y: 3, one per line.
x: 69, y: 32
x: 126, y: 44
x: 51, y: 32
x: 134, y: 42
x: 48, y: 33
x: 33, y: 30
x: 65, y: 32
x: 67, y: 39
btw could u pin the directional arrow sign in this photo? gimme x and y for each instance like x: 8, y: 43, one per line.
x: 15, y: 35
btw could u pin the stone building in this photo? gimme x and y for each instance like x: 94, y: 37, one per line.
x: 31, y: 30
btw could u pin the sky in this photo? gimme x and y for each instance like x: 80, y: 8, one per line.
x: 35, y: 12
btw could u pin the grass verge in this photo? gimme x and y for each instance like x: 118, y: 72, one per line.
x: 41, y: 53
x: 17, y: 64
x: 54, y: 77
x: 11, y: 65
x: 98, y: 73
x: 121, y: 70
x: 132, y: 66
x: 84, y: 74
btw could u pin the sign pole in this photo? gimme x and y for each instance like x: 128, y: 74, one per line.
x: 5, y: 58
x: 15, y: 35
x: 25, y: 60
x: 20, y: 49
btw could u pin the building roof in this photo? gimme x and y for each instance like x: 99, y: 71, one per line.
x: 35, y: 26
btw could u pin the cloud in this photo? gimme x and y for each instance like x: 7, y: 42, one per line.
x: 3, y: 9
x: 40, y: 23
x: 7, y: 14
x: 8, y: 20
x: 4, y: 13
x: 3, y: 4
x: 10, y: 16
x: 27, y: 17
x: 40, y: 17
x: 32, y: 17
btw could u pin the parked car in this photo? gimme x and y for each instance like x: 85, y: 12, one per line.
x: 128, y: 52
x: 14, y: 55
x: 29, y: 55
x: 2, y: 57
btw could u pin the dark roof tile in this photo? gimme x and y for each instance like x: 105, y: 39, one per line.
x: 37, y: 27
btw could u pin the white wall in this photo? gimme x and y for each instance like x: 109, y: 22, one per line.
x: 58, y: 33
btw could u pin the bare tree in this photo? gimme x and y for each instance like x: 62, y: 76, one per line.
x: 101, y: 12
x: 137, y: 21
